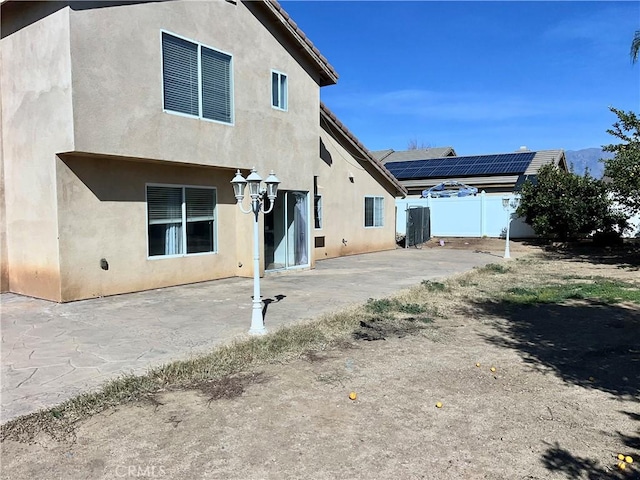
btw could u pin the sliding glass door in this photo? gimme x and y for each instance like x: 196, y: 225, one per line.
x: 286, y: 232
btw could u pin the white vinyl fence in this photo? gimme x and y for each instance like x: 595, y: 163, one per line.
x: 481, y: 215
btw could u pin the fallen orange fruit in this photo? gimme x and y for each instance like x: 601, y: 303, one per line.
x: 353, y: 395
x: 439, y: 405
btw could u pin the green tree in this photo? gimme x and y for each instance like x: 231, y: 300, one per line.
x: 623, y: 170
x: 566, y: 206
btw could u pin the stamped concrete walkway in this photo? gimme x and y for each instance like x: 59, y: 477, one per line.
x: 51, y: 352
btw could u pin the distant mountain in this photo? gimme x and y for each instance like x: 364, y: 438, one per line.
x: 580, y: 160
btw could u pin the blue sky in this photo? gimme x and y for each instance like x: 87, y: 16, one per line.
x: 483, y: 77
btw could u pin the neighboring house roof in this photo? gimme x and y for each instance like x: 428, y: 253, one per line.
x: 278, y: 16
x: 381, y: 154
x: 391, y: 155
x: 336, y: 128
x: 557, y: 157
x: 498, y: 170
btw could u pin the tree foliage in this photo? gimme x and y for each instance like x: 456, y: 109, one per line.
x: 623, y: 170
x: 566, y: 206
x: 635, y: 47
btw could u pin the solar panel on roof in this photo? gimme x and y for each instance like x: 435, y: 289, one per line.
x: 501, y: 164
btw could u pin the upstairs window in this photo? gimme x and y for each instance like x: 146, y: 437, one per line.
x: 279, y: 90
x: 373, y: 211
x: 180, y: 220
x: 196, y: 80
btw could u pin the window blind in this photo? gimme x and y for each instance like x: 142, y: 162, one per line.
x: 216, y: 85
x: 200, y: 204
x: 164, y: 205
x: 180, y: 75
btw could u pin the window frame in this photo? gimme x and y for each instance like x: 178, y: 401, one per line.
x: 184, y: 219
x: 199, y: 57
x: 286, y: 90
x: 374, y: 197
x: 321, y: 216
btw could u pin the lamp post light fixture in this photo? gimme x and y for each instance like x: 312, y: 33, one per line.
x: 257, y: 194
x: 510, y: 205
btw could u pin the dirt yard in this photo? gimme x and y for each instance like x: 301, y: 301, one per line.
x: 562, y: 402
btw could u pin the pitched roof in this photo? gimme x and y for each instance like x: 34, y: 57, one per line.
x: 409, y: 155
x: 336, y: 126
x: 557, y: 157
x: 381, y: 154
x: 505, y: 169
x: 278, y: 16
x: 328, y: 75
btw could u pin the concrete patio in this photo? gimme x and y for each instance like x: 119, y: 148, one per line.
x: 51, y: 352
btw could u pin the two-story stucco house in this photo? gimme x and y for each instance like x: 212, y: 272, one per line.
x: 123, y: 124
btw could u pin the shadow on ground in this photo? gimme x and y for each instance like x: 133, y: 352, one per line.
x: 586, y: 343
x: 626, y: 256
x: 557, y: 459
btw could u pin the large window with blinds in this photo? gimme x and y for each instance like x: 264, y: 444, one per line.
x: 197, y: 80
x: 373, y: 211
x: 181, y: 220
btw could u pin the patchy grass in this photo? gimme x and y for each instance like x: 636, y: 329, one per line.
x: 432, y: 286
x: 493, y: 268
x: 223, y: 372
x: 231, y: 359
x: 224, y: 368
x: 385, y: 306
x: 600, y: 290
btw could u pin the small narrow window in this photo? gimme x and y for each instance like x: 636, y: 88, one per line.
x: 317, y: 204
x: 317, y: 211
x: 373, y: 211
x: 180, y: 220
x: 279, y: 90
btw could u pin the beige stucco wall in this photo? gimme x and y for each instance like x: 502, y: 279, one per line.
x: 4, y: 263
x: 343, y: 204
x: 35, y: 85
x: 83, y: 132
x: 102, y: 214
x: 117, y: 90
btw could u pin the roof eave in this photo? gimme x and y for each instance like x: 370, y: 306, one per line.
x: 328, y: 75
x: 330, y: 117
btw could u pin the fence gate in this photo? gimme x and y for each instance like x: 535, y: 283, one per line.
x: 418, y: 226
